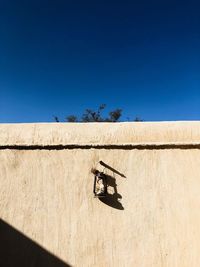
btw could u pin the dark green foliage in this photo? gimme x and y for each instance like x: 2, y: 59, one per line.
x: 115, y: 115
x: 71, y: 118
x: 91, y: 115
x: 137, y: 119
x: 56, y: 119
x: 96, y: 116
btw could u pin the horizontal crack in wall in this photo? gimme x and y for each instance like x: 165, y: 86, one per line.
x: 118, y: 147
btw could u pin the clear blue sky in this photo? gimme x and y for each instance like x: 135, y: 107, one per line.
x: 60, y: 57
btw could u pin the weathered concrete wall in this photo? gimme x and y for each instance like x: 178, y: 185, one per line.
x: 100, y: 133
x: 47, y: 195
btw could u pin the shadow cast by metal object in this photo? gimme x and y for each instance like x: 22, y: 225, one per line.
x: 112, y: 200
x: 111, y: 169
x: 18, y: 250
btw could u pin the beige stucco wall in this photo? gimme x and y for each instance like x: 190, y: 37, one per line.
x: 100, y: 133
x: 47, y: 195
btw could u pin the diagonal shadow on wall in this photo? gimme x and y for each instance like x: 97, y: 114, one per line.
x: 113, y: 200
x: 17, y: 250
